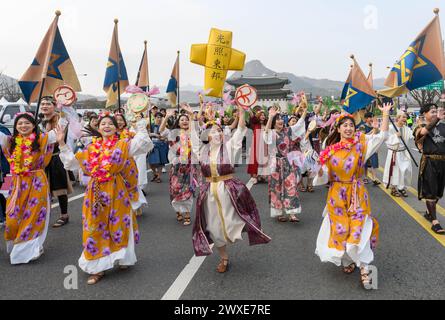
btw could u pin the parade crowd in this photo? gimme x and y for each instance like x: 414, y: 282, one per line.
x: 293, y: 152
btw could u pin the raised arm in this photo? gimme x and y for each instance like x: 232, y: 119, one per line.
x: 66, y: 154
x: 235, y: 122
x: 52, y: 136
x: 141, y: 143
x: 236, y: 141
x: 376, y: 140
x: 170, y: 113
x: 299, y: 129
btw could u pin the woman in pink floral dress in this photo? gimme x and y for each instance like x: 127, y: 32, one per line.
x: 284, y: 179
x: 182, y: 172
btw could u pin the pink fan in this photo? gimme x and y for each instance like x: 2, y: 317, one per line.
x: 296, y: 100
x: 330, y: 122
x: 133, y: 89
x: 227, y: 98
x: 154, y: 91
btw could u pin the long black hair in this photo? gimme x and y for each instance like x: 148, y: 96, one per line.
x: 35, y: 145
x: 275, y: 119
x: 95, y: 133
x: 123, y: 118
x: 176, y: 125
x: 334, y: 137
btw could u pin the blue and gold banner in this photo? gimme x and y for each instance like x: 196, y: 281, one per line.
x: 116, y: 73
x: 423, y: 63
x: 53, y: 63
x: 360, y: 93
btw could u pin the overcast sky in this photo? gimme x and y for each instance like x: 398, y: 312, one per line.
x: 307, y: 37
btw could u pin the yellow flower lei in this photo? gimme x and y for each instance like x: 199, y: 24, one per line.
x: 23, y: 150
x: 99, y: 160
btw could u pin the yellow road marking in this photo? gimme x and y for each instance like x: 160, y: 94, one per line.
x: 414, y: 192
x: 415, y: 215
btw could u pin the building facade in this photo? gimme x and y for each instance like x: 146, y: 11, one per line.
x: 270, y: 90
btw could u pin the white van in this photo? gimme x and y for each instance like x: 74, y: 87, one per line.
x: 8, y: 112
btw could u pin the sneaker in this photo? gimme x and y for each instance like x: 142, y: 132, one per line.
x: 163, y: 170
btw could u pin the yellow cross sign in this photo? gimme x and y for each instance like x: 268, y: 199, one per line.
x: 218, y: 57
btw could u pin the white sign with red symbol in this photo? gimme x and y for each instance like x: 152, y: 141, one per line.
x: 246, y: 97
x: 65, y: 96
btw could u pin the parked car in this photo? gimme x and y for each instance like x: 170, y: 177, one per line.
x: 8, y: 112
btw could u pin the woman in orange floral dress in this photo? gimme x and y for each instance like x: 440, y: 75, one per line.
x: 349, y: 234
x: 109, y: 226
x: 27, y: 215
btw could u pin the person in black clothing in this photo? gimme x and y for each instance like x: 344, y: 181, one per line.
x: 430, y: 139
x: 58, y: 177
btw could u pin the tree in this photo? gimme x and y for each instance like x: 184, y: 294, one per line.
x: 423, y: 97
x: 9, y: 89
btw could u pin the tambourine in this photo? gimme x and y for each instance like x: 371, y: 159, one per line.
x: 312, y: 126
x: 138, y: 103
x: 246, y: 97
x: 65, y: 96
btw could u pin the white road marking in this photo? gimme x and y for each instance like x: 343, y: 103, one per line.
x: 250, y: 184
x: 80, y: 196
x: 183, y: 280
x: 181, y: 283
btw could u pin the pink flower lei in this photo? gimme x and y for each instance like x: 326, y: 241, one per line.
x: 330, y: 151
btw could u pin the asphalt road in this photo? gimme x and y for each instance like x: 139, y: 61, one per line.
x: 409, y: 259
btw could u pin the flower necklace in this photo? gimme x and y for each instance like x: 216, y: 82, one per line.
x: 330, y: 151
x: 23, y: 150
x: 99, y: 158
x: 126, y: 134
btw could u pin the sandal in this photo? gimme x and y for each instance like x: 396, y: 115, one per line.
x: 187, y: 220
x: 294, y: 219
x: 365, y: 279
x: 395, y: 193
x: 303, y: 189
x: 437, y: 228
x: 158, y: 180
x: 366, y: 181
x: 403, y: 193
x: 310, y: 189
x: 223, y: 266
x: 376, y: 183
x: 61, y: 222
x: 350, y: 269
x: 95, y: 278
x: 179, y: 217
x: 282, y: 219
